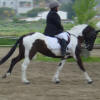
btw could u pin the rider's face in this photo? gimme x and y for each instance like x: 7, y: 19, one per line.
x: 57, y: 8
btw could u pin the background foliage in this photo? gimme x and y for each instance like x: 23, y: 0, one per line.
x: 69, y: 9
x: 34, y: 12
x: 84, y: 10
x: 6, y: 13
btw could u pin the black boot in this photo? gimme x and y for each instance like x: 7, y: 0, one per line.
x: 64, y: 44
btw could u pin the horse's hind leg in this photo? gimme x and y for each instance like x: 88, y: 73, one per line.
x: 27, y: 59
x: 56, y: 76
x: 13, y: 62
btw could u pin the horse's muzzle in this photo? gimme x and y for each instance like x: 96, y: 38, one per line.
x: 89, y: 47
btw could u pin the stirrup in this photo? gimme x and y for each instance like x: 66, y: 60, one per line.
x: 67, y: 53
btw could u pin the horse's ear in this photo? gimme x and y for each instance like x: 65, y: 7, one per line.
x: 97, y: 31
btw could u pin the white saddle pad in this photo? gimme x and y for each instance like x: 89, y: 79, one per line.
x: 52, y: 42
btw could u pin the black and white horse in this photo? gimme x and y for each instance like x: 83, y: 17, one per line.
x: 32, y: 43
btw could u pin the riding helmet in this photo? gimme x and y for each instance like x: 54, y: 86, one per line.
x: 53, y: 4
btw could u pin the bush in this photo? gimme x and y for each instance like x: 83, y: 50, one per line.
x: 34, y: 12
x: 6, y: 13
x: 17, y: 20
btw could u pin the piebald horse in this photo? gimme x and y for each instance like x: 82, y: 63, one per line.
x: 32, y: 43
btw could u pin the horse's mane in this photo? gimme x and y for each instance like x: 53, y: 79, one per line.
x: 77, y: 30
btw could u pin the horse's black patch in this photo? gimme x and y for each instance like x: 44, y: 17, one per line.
x: 77, y: 53
x: 81, y: 39
x: 40, y: 46
x: 89, y: 34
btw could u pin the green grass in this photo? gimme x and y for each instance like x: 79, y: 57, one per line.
x: 7, y: 41
x: 49, y: 59
x: 97, y: 41
x: 19, y: 29
x: 40, y: 57
x: 8, y: 28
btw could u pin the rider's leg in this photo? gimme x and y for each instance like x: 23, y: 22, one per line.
x: 64, y: 44
x: 64, y: 37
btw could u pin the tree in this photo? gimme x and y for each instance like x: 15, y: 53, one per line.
x: 84, y: 10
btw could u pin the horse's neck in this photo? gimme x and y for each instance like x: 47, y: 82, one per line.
x: 77, y: 30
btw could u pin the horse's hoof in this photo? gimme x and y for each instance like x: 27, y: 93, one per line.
x: 4, y: 76
x: 57, y: 82
x: 90, y: 82
x: 26, y: 82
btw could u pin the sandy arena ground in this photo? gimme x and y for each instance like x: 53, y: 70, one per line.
x: 73, y: 85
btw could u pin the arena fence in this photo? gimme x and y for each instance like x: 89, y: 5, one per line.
x: 96, y: 46
x: 8, y: 37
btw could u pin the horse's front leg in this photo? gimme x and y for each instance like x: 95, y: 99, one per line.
x: 56, y: 76
x: 79, y: 62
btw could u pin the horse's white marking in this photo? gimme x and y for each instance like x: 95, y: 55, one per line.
x: 30, y: 39
x: 72, y: 46
x: 77, y: 30
x: 24, y: 68
x: 56, y: 76
x: 87, y: 77
x: 8, y: 74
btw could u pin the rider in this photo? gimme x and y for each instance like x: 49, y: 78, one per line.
x: 54, y: 27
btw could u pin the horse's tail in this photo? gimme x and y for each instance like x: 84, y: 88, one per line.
x: 5, y: 58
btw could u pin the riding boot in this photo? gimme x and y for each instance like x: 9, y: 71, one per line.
x: 64, y: 44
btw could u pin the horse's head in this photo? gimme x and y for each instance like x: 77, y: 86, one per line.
x: 89, y: 35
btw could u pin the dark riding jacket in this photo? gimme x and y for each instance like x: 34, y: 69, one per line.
x: 53, y: 26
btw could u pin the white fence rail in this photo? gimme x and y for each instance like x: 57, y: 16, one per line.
x: 96, y: 46
x: 9, y: 37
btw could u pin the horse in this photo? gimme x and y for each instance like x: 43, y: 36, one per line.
x: 31, y: 44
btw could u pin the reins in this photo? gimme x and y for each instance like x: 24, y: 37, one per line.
x: 74, y: 35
